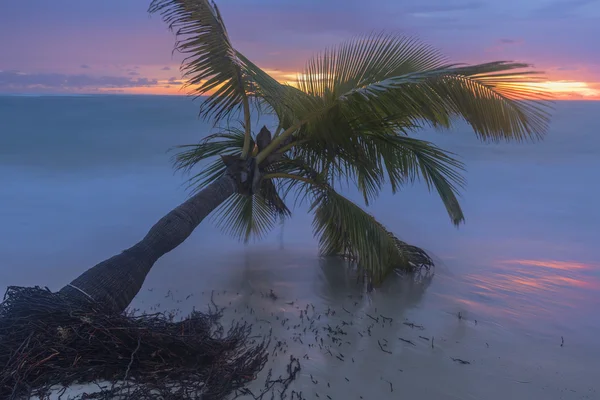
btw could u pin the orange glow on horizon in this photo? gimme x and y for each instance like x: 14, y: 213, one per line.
x: 161, y: 89
x: 567, y: 90
x: 561, y: 89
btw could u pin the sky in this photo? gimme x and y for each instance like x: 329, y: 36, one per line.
x: 114, y: 46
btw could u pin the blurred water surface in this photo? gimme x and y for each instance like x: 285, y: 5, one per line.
x: 83, y: 178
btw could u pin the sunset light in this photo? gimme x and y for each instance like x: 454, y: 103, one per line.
x: 321, y: 199
x: 570, y: 90
x: 559, y: 89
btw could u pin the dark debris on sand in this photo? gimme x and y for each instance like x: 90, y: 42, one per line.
x: 48, y: 341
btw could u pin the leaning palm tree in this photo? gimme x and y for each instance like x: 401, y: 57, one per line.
x: 347, y: 120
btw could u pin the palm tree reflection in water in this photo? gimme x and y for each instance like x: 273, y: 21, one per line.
x: 323, y: 315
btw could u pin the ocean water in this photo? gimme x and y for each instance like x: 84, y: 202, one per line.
x: 82, y: 178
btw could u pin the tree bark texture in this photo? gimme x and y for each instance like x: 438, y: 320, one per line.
x: 117, y: 280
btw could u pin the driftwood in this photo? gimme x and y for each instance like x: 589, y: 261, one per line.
x: 48, y: 341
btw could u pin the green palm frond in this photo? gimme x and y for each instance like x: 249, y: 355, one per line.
x: 407, y: 160
x: 406, y: 84
x: 211, y: 63
x: 364, y: 61
x: 374, y: 160
x: 226, y: 143
x: 245, y: 217
x: 207, y: 175
x: 498, y: 105
x: 241, y: 216
x: 266, y: 91
x: 346, y: 229
x: 297, y: 178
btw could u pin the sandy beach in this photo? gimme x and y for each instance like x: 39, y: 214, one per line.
x: 378, y: 356
x: 409, y: 338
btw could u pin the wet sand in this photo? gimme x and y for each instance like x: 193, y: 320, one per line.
x: 432, y: 348
x: 408, y: 338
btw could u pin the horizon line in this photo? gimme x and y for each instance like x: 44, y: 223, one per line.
x: 60, y: 94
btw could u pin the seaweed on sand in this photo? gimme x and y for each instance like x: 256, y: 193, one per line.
x: 49, y: 342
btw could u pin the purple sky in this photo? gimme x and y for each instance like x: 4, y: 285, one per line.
x: 86, y: 46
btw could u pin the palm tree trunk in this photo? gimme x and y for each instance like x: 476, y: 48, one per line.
x: 116, y: 281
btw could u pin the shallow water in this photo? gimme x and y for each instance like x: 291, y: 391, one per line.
x: 83, y: 178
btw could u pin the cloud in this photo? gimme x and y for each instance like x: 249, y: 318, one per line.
x: 510, y: 41
x: 282, y: 35
x: 561, y: 8
x: 84, y: 66
x: 442, y: 6
x: 14, y: 81
x: 140, y: 82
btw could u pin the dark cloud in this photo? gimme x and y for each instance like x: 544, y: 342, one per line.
x: 165, y: 69
x: 567, y: 69
x: 141, y: 82
x: 174, y: 81
x: 13, y: 80
x: 84, y: 66
x: 133, y: 73
x: 510, y: 41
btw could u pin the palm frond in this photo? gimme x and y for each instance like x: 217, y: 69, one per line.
x: 366, y: 60
x: 241, y: 216
x: 245, y: 217
x: 295, y: 177
x: 212, y: 64
x: 407, y: 159
x: 345, y: 229
x: 496, y: 104
x: 282, y: 99
x: 227, y: 142
x: 399, y: 80
x: 361, y: 96
x: 372, y: 160
x: 207, y: 175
